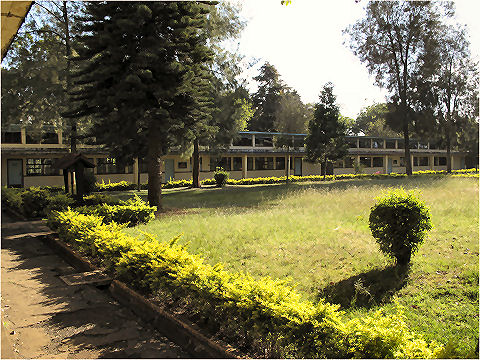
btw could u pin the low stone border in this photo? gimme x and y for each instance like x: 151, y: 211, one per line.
x: 178, y: 331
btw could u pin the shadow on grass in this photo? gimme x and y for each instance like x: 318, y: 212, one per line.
x: 368, y: 289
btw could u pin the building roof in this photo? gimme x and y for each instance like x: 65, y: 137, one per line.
x: 69, y: 160
x: 13, y: 15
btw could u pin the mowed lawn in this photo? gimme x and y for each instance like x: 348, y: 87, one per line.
x: 317, y: 236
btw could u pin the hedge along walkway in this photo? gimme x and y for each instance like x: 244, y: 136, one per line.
x: 45, y: 318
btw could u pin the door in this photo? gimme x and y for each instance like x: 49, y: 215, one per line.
x: 298, y: 167
x: 389, y: 165
x: 15, y: 172
x: 169, y: 170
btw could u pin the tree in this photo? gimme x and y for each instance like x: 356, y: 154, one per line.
x: 266, y: 99
x: 292, y: 116
x: 326, y: 132
x: 372, y: 121
x: 396, y: 40
x: 456, y: 88
x: 142, y: 67
x: 36, y: 75
x: 215, y: 129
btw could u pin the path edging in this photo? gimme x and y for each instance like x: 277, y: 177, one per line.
x: 178, y: 331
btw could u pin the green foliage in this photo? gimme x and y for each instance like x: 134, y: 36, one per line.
x: 12, y: 198
x: 247, y: 310
x: 220, y: 176
x: 89, y: 182
x: 118, y: 186
x: 58, y: 202
x: 131, y: 212
x: 96, y: 199
x: 34, y: 201
x: 326, y: 133
x: 399, y: 222
x: 372, y: 121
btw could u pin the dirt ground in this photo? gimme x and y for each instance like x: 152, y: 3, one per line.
x: 43, y: 317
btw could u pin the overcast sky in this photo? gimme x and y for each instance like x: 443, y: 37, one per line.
x: 304, y: 41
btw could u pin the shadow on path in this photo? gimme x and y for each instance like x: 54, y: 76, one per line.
x: 368, y: 289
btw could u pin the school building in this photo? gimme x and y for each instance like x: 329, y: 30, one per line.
x: 28, y: 158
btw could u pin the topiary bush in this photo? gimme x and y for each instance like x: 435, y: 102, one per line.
x: 399, y: 221
x: 220, y: 176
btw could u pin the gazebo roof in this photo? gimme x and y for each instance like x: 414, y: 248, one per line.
x: 69, y: 161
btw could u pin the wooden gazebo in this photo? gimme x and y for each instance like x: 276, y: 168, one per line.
x: 74, y: 163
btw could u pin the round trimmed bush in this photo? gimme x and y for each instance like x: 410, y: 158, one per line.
x: 399, y: 222
x: 220, y: 176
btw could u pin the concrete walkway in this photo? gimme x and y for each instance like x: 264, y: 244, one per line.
x: 42, y: 317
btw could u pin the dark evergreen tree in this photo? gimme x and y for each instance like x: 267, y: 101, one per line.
x: 326, y: 132
x: 266, y: 101
x: 142, y: 74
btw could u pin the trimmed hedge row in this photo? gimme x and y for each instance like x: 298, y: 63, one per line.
x: 123, y: 185
x: 264, y: 317
x: 131, y: 212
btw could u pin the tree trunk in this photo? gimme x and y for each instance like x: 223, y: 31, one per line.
x: 287, y: 169
x: 196, y: 165
x: 154, y: 161
x: 449, y: 158
x: 138, y: 175
x: 325, y: 169
x: 73, y: 133
x: 406, y: 139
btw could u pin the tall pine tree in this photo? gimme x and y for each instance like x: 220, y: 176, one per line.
x: 326, y: 132
x: 142, y: 74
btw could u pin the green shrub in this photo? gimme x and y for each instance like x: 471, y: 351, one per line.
x: 176, y: 184
x: 89, y: 182
x: 220, y: 176
x: 35, y: 202
x: 131, y: 212
x: 58, y: 202
x: 96, y: 199
x: 12, y: 198
x: 261, y: 314
x: 399, y: 222
x: 118, y: 186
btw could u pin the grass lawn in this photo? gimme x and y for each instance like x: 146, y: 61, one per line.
x: 317, y: 235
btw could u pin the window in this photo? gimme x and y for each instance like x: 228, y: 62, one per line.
x: 33, y: 137
x: 49, y: 138
x: 352, y: 143
x: 377, y: 143
x: 338, y: 164
x: 420, y: 161
x: 395, y: 162
x: 440, y: 161
x: 11, y: 137
x: 263, y: 141
x: 143, y: 166
x: 364, y: 143
x: 182, y: 164
x: 225, y: 163
x: 365, y: 161
x: 237, y: 163
x: 37, y: 167
x: 349, y: 162
x: 264, y: 163
x: 434, y: 146
x: 243, y: 141
x: 280, y: 163
x: 413, y: 144
x: 377, y: 161
x: 402, y: 161
x: 401, y: 144
x: 250, y: 163
x: 390, y: 144
x: 109, y: 166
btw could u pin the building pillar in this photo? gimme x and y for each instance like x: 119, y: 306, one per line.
x: 253, y: 140
x: 244, y: 167
x: 431, y: 161
x: 452, y: 162
x: 287, y: 163
x: 60, y: 136
x: 385, y: 164
x: 411, y: 159
x: 23, y: 135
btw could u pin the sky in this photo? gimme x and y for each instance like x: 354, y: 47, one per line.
x: 304, y: 42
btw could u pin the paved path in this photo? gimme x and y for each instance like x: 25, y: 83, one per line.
x: 42, y: 317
